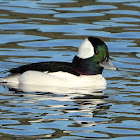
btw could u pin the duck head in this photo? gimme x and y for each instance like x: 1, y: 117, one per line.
x: 93, y: 57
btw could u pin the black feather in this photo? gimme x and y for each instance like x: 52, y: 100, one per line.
x: 46, y: 66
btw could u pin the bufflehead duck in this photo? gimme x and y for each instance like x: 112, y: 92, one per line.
x: 84, y: 71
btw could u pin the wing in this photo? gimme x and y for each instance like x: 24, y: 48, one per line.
x: 46, y: 66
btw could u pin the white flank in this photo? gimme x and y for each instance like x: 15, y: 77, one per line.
x: 61, y: 79
x: 86, y: 49
x: 58, y: 79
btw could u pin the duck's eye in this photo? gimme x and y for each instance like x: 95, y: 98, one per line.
x: 96, y: 51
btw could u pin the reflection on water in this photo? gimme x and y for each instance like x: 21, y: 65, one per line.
x: 47, y: 114
x: 34, y: 31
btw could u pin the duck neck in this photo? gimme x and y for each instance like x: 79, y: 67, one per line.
x: 86, y: 66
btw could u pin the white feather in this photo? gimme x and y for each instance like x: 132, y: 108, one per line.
x: 86, y: 49
x: 58, y: 79
x: 12, y: 78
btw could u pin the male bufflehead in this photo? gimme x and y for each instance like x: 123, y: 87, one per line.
x: 84, y: 71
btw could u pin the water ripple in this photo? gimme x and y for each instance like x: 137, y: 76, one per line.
x: 34, y: 31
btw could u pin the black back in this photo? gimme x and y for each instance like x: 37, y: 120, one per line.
x: 46, y: 66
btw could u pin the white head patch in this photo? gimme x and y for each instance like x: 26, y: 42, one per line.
x: 86, y: 49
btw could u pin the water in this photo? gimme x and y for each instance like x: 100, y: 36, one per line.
x: 43, y: 30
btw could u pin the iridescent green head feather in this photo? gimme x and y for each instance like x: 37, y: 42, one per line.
x: 92, y: 57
